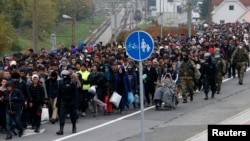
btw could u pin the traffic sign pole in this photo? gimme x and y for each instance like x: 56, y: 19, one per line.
x: 139, y: 46
x: 141, y: 101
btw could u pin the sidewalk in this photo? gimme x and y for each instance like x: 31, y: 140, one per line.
x: 242, y: 118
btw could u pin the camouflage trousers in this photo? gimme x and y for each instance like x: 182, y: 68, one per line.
x: 218, y: 82
x: 187, y: 85
x: 241, y: 67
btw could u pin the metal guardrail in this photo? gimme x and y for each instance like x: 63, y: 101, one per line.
x: 99, y: 31
x: 124, y: 21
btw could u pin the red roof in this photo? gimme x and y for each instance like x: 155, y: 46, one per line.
x: 245, y: 2
x: 218, y: 2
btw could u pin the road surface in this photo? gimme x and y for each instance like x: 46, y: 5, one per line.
x: 187, y: 123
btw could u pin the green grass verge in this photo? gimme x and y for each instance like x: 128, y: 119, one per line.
x: 63, y: 32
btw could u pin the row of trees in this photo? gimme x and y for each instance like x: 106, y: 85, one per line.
x: 16, y: 15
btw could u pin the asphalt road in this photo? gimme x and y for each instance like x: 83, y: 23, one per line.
x: 180, y: 124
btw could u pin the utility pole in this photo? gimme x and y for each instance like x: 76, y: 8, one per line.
x: 146, y: 10
x: 73, y: 21
x: 115, y: 20
x: 73, y: 26
x: 189, y: 18
x: 209, y: 12
x: 92, y: 16
x: 34, y: 26
x: 134, y: 13
x: 161, y: 17
x: 74, y: 14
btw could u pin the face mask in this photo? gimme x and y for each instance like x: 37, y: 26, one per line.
x: 240, y: 47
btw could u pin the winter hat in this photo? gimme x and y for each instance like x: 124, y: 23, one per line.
x: 13, y: 63
x: 34, y: 76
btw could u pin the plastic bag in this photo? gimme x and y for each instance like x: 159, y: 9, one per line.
x: 92, y: 90
x: 131, y: 98
x: 137, y: 99
x: 115, y: 99
x: 45, y: 114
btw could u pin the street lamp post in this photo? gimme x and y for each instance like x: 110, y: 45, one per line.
x: 73, y: 23
x: 114, y: 7
x: 92, y: 13
x: 161, y: 14
x: 189, y: 17
x: 114, y: 21
x: 73, y: 26
x: 34, y: 26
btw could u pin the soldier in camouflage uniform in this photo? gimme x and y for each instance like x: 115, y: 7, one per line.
x: 186, y: 75
x: 221, y: 69
x: 240, y: 58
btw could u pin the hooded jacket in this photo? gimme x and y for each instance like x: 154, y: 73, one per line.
x: 14, y: 101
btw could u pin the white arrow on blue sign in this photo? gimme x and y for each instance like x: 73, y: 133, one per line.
x: 139, y: 45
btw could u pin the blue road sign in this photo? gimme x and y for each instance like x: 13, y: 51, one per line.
x: 139, y: 45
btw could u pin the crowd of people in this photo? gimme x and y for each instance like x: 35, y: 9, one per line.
x: 61, y: 79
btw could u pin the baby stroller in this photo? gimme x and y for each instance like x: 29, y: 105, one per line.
x: 165, y: 94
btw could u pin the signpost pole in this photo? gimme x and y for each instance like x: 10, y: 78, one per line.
x: 141, y: 101
x: 139, y: 46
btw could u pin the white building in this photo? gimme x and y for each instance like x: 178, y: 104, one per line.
x: 165, y: 6
x: 225, y: 11
x: 169, y: 11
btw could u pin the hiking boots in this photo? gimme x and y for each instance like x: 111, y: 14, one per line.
x: 60, y: 132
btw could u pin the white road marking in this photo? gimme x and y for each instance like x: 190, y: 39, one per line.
x: 113, y: 121
x: 29, y: 132
x: 240, y: 118
x: 102, y: 125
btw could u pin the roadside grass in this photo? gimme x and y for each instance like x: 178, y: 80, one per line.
x: 63, y: 32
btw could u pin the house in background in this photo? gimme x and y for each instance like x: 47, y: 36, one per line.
x: 170, y: 11
x: 225, y: 11
x: 245, y: 17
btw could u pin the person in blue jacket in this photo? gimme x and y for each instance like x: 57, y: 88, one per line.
x: 14, y: 101
x: 122, y: 87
